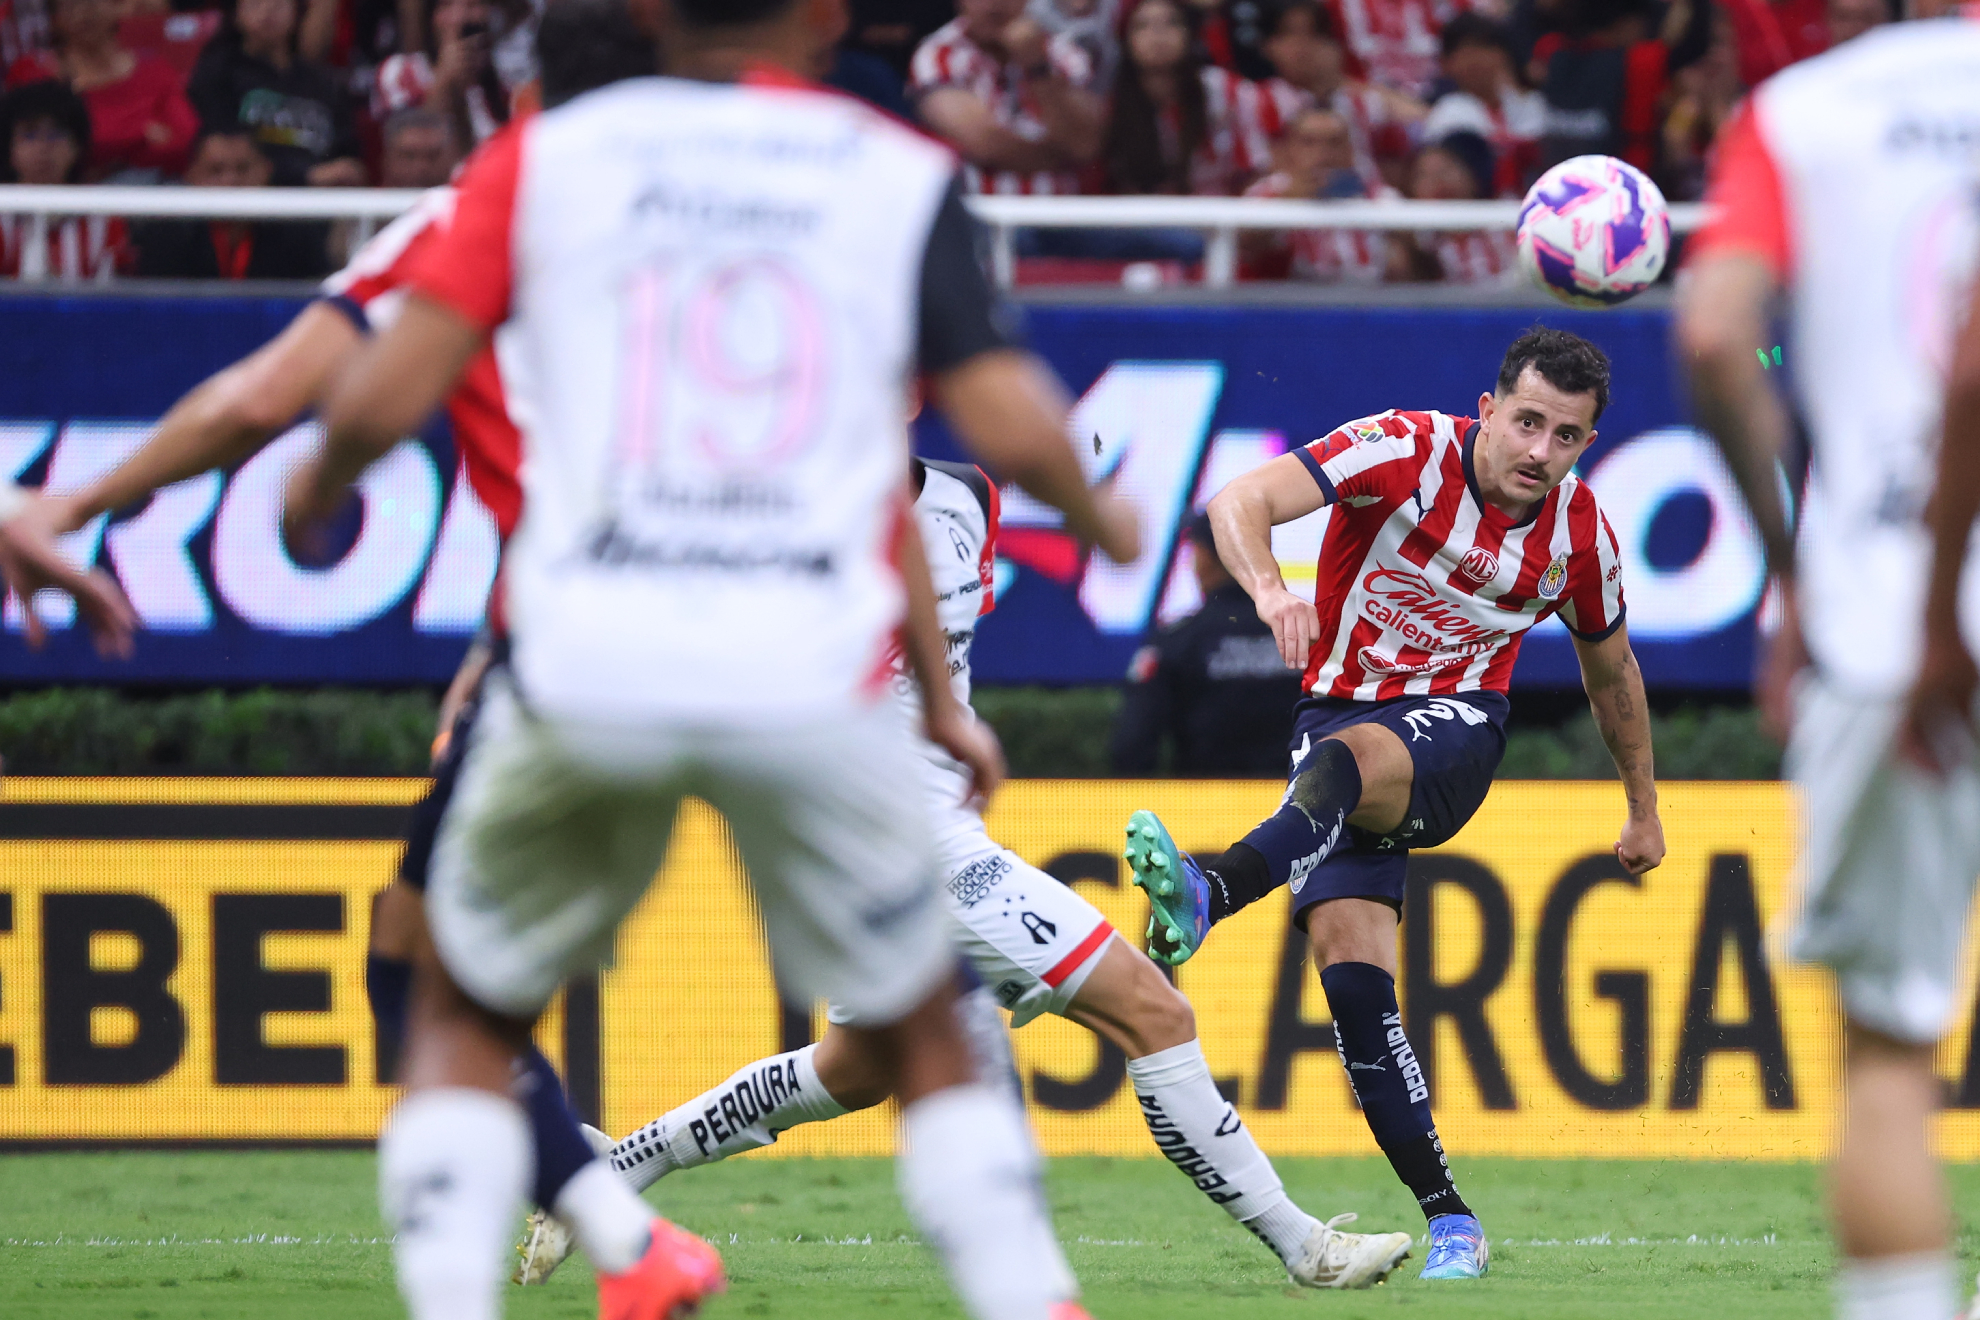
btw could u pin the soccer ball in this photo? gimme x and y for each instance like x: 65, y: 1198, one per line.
x: 1594, y: 231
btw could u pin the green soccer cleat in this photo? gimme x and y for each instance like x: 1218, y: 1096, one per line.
x: 1176, y: 889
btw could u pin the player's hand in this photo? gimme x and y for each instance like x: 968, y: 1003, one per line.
x: 1117, y: 530
x: 1295, y: 625
x: 30, y: 559
x: 1781, y: 661
x: 952, y: 728
x: 309, y: 501
x: 1938, y: 732
x: 1641, y: 847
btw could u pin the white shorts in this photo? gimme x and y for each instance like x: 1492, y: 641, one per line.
x: 554, y: 833
x: 1030, y: 938
x: 1888, y: 864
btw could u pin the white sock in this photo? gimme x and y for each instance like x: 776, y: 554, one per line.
x: 611, y: 1224
x: 1202, y: 1135
x: 746, y: 1112
x: 1917, y: 1287
x: 969, y: 1177
x: 453, y: 1168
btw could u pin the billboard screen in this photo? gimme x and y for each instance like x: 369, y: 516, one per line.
x: 1172, y: 402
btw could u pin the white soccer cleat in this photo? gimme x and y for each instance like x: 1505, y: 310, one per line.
x: 1330, y: 1258
x: 546, y: 1240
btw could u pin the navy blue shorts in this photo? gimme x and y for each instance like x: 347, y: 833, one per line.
x: 424, y: 827
x: 1456, y: 743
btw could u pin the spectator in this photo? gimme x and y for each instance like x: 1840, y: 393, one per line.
x: 1211, y: 686
x: 1849, y: 19
x: 140, y: 126
x: 1306, y: 51
x: 455, y: 74
x: 45, y: 127
x: 230, y: 249
x: 1179, y: 124
x: 1457, y: 168
x: 895, y: 29
x: 1094, y: 24
x: 1607, y: 74
x: 1395, y: 41
x: 1489, y: 101
x: 419, y: 150
x: 1234, y: 33
x: 1772, y: 34
x: 1014, y: 101
x: 252, y: 74
x: 1707, y: 93
x: 1316, y: 163
x: 25, y: 31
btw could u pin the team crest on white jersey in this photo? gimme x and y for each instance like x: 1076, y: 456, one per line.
x: 1554, y: 580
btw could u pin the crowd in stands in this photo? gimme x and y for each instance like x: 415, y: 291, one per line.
x: 1317, y: 99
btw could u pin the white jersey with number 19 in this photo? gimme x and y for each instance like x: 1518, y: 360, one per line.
x: 714, y: 287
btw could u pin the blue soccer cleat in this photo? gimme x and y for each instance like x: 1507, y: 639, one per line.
x: 1176, y: 890
x: 1458, y: 1249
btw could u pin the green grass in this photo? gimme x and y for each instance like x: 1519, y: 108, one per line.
x: 167, y: 1236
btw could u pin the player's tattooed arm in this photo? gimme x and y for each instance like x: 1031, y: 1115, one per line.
x: 1614, y: 683
x: 1242, y: 517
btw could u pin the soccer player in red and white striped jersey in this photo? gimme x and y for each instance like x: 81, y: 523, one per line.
x: 1449, y: 538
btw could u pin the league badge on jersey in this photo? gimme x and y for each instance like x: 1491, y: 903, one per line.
x: 1554, y: 579
x: 1367, y: 433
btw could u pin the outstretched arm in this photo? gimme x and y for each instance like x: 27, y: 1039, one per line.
x: 1242, y: 517
x: 1614, y: 684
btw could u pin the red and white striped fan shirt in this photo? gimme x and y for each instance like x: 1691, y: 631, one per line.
x: 80, y: 248
x: 1371, y: 122
x: 1479, y: 256
x: 948, y: 58
x: 1240, y: 125
x: 1425, y: 589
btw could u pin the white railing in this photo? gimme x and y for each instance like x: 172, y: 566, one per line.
x: 1219, y: 219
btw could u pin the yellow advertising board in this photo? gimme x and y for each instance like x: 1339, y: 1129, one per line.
x: 183, y: 960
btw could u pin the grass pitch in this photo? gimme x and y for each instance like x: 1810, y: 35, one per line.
x: 171, y: 1236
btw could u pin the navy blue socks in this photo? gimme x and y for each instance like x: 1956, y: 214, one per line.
x: 1301, y: 834
x: 1389, y: 1083
x: 561, y: 1149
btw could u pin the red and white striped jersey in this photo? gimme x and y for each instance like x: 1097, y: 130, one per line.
x: 1372, y: 122
x: 1425, y: 589
x: 1333, y: 256
x: 1396, y: 41
x: 371, y: 289
x: 1241, y: 121
x: 1478, y: 256
x: 80, y: 248
x: 948, y: 58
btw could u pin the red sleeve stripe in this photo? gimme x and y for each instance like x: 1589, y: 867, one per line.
x: 986, y: 559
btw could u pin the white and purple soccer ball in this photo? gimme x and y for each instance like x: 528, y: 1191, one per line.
x: 1594, y: 231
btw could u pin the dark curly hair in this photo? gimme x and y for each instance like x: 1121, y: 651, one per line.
x: 1567, y: 362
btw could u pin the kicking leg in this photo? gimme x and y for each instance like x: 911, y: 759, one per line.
x: 1887, y: 1194
x: 1129, y: 1002
x: 1353, y: 942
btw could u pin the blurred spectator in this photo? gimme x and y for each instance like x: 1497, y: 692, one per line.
x: 1488, y: 101
x: 1211, y: 686
x: 455, y: 74
x: 1316, y: 163
x: 419, y: 150
x: 1311, y: 63
x: 1234, y: 33
x: 230, y: 249
x: 24, y: 31
x: 252, y: 74
x: 1772, y: 34
x: 1178, y: 124
x: 1607, y: 74
x: 1706, y: 94
x: 1395, y: 41
x: 1849, y: 19
x: 45, y: 127
x: 1013, y: 100
x: 895, y: 29
x: 1094, y: 24
x: 139, y: 122
x: 865, y: 75
x: 1456, y: 168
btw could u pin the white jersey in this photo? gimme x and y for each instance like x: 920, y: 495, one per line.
x: 717, y: 291
x: 956, y: 514
x: 1857, y: 178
